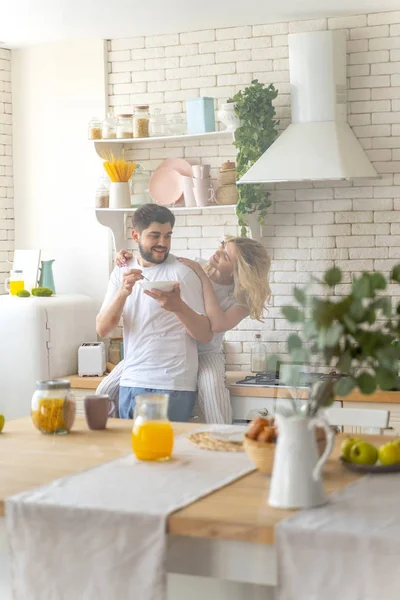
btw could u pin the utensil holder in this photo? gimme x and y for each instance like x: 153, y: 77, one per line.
x: 120, y: 196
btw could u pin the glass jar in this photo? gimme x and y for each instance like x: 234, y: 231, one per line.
x: 102, y: 194
x: 15, y: 283
x: 94, y: 129
x: 114, y: 350
x: 53, y: 406
x: 140, y: 187
x: 158, y: 123
x: 152, y: 433
x: 258, y: 355
x: 109, y: 128
x: 124, y: 126
x: 177, y: 125
x: 141, y: 122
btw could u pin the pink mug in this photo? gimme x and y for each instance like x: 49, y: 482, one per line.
x: 202, y: 183
x: 203, y: 196
x: 201, y: 171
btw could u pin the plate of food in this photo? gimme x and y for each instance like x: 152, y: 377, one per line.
x: 360, y: 456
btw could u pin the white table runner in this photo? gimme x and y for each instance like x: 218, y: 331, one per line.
x: 101, y: 534
x: 348, y: 549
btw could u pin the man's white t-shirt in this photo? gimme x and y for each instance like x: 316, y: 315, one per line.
x: 158, y: 351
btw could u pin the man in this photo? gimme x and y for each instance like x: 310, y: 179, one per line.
x: 160, y: 328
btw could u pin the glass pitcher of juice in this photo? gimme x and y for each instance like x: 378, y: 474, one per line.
x: 15, y: 283
x: 152, y: 434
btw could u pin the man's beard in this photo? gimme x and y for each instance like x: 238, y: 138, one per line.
x: 147, y: 255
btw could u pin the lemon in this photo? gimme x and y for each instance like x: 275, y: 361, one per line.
x: 2, y: 421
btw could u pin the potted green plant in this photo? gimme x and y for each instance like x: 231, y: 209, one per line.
x: 257, y: 131
x: 354, y: 335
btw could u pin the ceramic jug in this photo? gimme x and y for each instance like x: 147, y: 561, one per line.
x: 46, y: 275
x: 297, y: 474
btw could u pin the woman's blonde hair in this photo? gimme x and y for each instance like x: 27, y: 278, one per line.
x: 251, y: 275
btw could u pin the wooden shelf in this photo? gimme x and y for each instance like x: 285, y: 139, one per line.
x: 177, y: 209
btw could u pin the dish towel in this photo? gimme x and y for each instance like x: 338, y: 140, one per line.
x: 101, y: 534
x: 347, y: 549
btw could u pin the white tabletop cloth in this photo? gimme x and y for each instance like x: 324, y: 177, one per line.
x: 101, y: 534
x: 348, y: 549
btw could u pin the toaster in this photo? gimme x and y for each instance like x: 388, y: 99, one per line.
x: 91, y: 359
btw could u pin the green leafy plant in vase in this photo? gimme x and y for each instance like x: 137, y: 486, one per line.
x: 355, y: 336
x: 257, y: 131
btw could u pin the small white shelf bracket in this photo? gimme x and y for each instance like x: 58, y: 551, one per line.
x: 115, y: 221
x: 105, y: 149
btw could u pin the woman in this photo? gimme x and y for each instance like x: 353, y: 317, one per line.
x: 235, y: 286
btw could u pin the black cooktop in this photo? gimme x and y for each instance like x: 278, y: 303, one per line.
x: 272, y: 378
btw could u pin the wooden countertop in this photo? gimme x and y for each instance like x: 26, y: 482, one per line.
x: 238, y: 511
x: 91, y: 383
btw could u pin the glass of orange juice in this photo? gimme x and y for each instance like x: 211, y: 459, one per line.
x: 152, y: 434
x: 15, y: 283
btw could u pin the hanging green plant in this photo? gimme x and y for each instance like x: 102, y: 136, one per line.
x: 257, y: 131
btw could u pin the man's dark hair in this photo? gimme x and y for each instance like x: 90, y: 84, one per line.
x: 151, y: 213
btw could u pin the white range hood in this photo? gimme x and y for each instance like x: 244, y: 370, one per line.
x: 319, y: 144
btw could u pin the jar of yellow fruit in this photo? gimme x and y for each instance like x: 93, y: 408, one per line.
x: 53, y: 406
x: 152, y: 434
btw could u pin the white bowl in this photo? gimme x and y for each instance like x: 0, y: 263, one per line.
x: 161, y: 286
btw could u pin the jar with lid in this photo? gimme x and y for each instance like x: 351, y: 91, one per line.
x: 141, y: 122
x: 258, y: 355
x: 109, y: 128
x: 177, y: 125
x: 125, y: 126
x: 102, y: 194
x: 94, y: 130
x: 158, y: 123
x: 152, y: 433
x: 140, y: 187
x: 53, y: 406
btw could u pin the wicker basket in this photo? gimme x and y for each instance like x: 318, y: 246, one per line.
x: 226, y: 194
x: 227, y: 177
x: 262, y: 454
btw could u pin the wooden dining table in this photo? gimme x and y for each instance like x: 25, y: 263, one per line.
x: 228, y: 535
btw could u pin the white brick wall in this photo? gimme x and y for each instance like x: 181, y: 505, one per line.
x: 6, y: 170
x: 309, y: 228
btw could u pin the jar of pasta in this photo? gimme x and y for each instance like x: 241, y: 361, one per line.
x: 141, y: 121
x: 53, y: 406
x: 94, y: 129
x: 124, y: 126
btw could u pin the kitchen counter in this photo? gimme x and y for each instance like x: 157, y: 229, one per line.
x: 224, y: 541
x: 236, y: 512
x: 91, y: 383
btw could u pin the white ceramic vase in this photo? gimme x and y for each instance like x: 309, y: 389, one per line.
x: 297, y: 474
x: 228, y: 117
x: 120, y: 196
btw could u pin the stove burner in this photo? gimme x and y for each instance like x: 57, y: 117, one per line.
x: 272, y: 378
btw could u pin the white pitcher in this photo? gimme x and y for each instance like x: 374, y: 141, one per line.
x: 297, y: 475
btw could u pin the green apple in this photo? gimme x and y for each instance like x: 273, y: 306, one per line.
x: 346, y: 446
x: 389, y: 454
x: 2, y: 421
x: 363, y: 453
